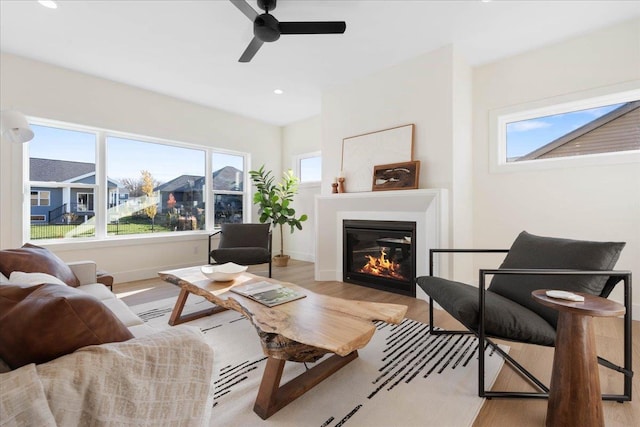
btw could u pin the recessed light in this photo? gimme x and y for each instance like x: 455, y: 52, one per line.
x: 278, y: 91
x: 48, y: 3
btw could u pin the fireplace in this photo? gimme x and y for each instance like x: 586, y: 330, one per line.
x: 380, y: 255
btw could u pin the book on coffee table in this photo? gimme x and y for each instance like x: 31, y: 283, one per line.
x: 269, y: 294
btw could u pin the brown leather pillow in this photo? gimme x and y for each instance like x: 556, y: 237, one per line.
x: 34, y: 259
x: 43, y: 322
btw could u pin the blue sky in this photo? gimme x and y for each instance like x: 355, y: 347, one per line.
x: 526, y: 136
x: 126, y: 158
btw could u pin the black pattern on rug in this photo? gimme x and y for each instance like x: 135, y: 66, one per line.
x: 411, y: 353
x: 399, y: 364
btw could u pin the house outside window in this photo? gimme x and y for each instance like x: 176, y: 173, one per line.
x: 164, y: 183
x: 228, y: 187
x: 575, y: 130
x: 62, y: 164
x: 605, y: 129
x: 138, y: 185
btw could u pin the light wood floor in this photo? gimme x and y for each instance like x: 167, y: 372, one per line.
x: 495, y: 412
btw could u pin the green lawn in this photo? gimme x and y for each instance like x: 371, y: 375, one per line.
x: 50, y: 231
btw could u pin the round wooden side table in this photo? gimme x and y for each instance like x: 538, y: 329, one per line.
x: 574, y: 394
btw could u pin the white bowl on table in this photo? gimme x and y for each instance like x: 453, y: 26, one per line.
x: 223, y: 272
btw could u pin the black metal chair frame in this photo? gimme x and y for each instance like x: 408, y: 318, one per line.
x: 268, y: 247
x: 614, y: 278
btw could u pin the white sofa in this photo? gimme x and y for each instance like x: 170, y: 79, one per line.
x: 158, y: 378
x: 86, y: 272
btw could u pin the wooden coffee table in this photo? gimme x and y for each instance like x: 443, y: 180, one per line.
x: 298, y: 331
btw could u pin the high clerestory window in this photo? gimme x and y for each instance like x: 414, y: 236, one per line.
x: 309, y: 167
x: 137, y: 186
x: 576, y: 130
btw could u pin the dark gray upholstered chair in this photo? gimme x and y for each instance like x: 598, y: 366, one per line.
x: 507, y: 311
x: 243, y: 244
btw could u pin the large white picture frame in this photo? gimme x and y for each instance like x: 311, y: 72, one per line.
x: 361, y: 153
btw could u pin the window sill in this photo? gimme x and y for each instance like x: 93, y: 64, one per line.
x: 135, y: 240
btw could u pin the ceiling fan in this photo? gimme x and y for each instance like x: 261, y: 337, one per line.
x: 266, y: 28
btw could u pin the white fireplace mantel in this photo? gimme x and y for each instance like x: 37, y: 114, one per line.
x: 427, y: 207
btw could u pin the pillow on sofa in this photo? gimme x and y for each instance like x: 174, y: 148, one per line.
x: 530, y: 251
x: 44, y: 322
x: 22, y: 278
x: 34, y: 259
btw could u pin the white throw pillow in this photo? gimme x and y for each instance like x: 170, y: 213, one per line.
x: 3, y: 278
x: 23, y: 278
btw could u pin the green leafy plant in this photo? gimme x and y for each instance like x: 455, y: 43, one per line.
x: 274, y: 200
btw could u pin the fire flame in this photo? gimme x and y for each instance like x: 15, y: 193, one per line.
x: 382, y: 266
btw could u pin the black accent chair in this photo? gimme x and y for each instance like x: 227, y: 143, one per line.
x: 243, y: 244
x: 507, y: 311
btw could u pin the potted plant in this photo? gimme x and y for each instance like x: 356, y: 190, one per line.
x: 274, y: 201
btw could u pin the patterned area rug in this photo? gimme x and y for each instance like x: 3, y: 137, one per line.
x: 403, y: 377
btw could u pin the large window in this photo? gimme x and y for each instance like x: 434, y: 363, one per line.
x: 228, y: 187
x: 594, y: 128
x: 135, y: 186
x: 62, y: 181
x: 164, y: 186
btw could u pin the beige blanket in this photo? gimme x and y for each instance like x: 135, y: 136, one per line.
x: 163, y: 379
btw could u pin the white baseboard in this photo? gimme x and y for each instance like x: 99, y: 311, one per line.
x: 635, y: 313
x: 302, y: 256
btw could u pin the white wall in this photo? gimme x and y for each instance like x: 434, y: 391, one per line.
x: 432, y: 91
x: 588, y: 202
x: 46, y: 91
x: 302, y: 137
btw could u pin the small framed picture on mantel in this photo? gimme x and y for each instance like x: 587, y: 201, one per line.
x: 396, y: 176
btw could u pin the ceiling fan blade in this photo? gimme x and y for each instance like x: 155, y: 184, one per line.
x: 251, y: 50
x: 320, y: 27
x: 245, y: 8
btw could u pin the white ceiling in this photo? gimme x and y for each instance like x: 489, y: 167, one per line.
x: 189, y: 49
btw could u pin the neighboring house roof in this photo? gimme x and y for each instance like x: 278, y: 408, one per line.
x: 181, y: 184
x: 228, y: 178
x: 617, y: 130
x: 48, y: 170
x: 223, y: 179
x: 58, y: 170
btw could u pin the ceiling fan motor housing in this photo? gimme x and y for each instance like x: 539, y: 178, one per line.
x: 266, y: 28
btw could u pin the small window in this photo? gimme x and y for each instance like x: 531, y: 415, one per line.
x: 40, y: 198
x: 604, y: 129
x: 38, y: 218
x: 309, y: 167
x: 84, y: 202
x: 575, y: 129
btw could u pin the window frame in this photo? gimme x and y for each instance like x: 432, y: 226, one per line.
x: 90, y: 201
x: 39, y: 198
x: 246, y: 186
x: 297, y: 161
x: 499, y: 118
x: 100, y: 191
